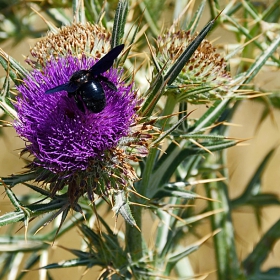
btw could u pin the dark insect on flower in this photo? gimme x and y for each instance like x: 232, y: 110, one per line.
x: 85, y: 86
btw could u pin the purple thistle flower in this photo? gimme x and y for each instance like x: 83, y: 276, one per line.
x: 72, y: 150
x: 57, y: 133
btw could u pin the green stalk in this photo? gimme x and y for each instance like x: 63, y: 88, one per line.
x: 170, y: 104
x: 134, y: 241
x: 146, y: 174
x: 149, y: 163
x: 226, y: 257
x: 168, y: 109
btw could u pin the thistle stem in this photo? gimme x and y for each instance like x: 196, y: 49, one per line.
x: 170, y: 104
x: 226, y: 257
x: 134, y: 242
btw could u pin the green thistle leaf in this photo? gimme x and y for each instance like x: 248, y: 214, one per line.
x: 119, y: 23
x: 121, y: 206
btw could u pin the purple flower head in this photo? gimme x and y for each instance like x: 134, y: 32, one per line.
x: 62, y: 137
x: 74, y: 149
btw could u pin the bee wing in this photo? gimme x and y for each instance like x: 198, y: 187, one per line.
x: 106, y: 61
x: 69, y: 87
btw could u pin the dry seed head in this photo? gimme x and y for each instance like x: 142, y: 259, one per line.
x: 206, y: 66
x: 76, y: 40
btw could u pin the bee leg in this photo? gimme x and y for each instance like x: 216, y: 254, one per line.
x: 107, y: 82
x: 79, y: 102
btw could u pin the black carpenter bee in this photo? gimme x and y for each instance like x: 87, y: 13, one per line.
x: 85, y: 86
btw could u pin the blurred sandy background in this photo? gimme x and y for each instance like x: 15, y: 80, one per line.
x: 242, y: 162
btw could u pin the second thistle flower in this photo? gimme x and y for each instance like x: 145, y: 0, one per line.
x: 204, y: 78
